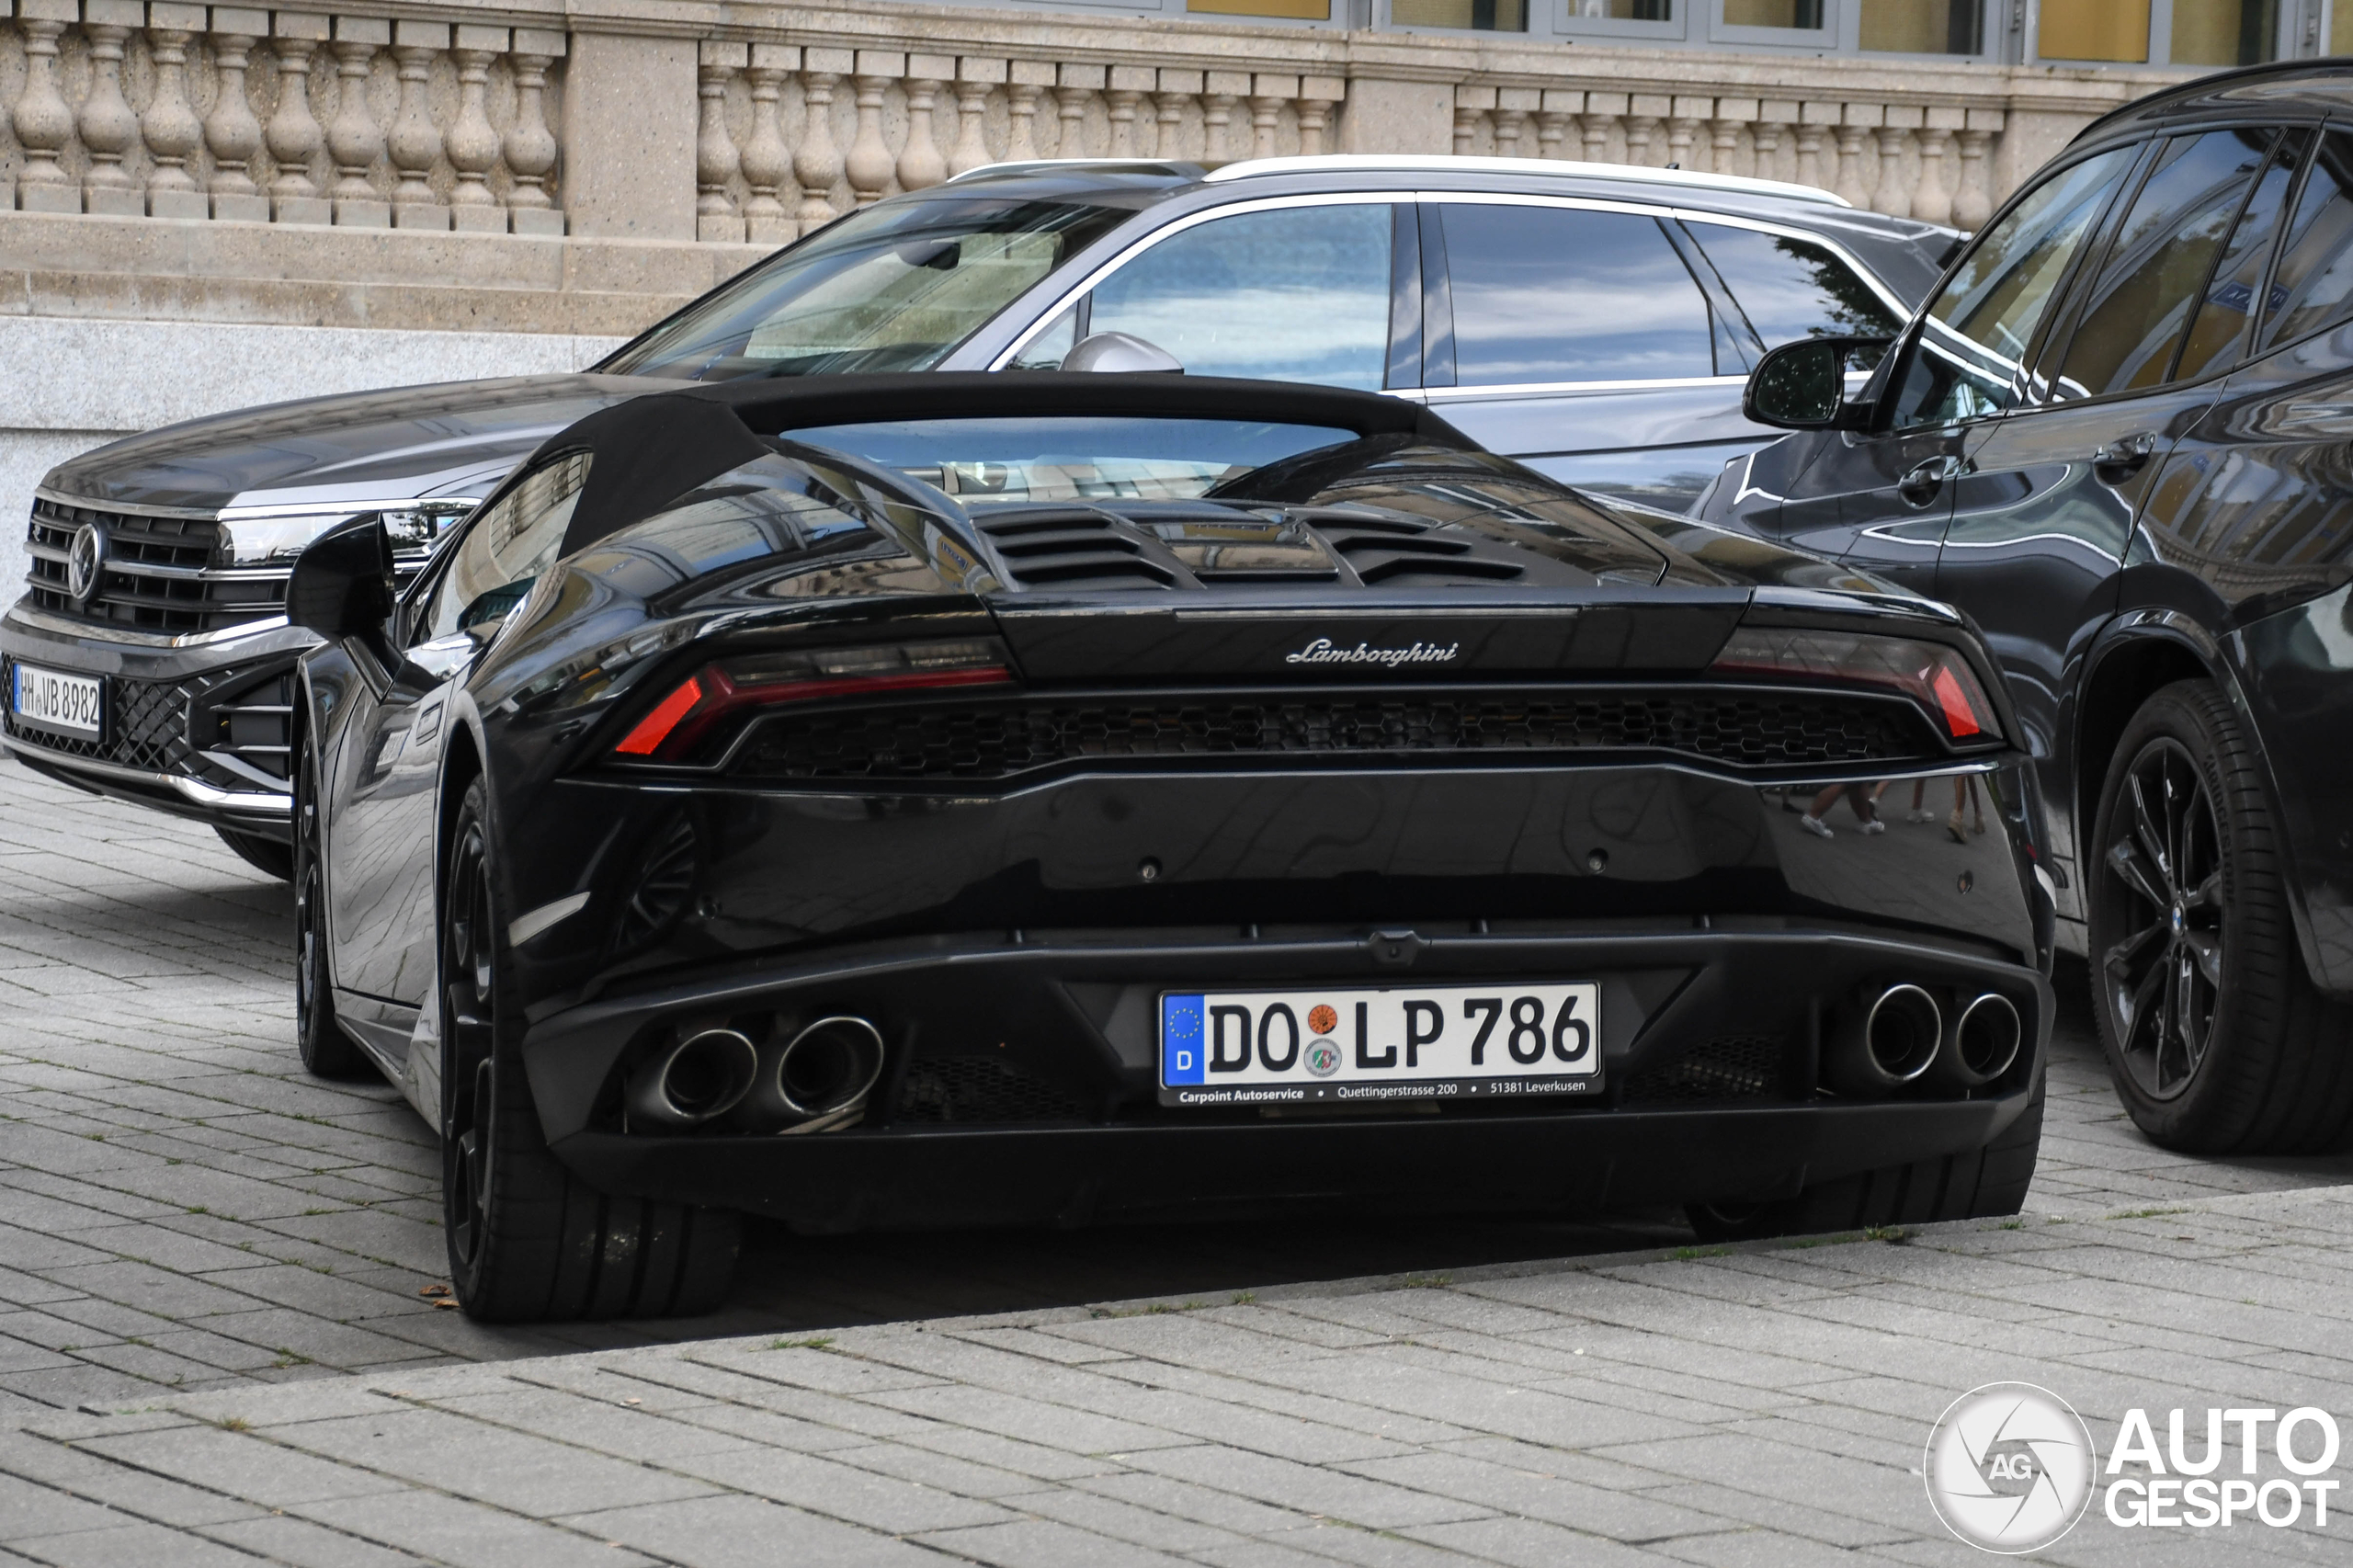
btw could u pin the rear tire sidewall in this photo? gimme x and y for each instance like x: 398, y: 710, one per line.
x: 2204, y: 1116
x: 326, y: 1051
x: 468, y: 1218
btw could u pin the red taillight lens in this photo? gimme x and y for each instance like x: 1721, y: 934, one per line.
x: 1936, y: 677
x: 675, y: 725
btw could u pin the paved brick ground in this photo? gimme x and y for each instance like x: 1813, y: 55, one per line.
x: 183, y: 1216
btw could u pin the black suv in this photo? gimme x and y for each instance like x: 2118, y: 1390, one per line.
x: 1598, y: 322
x: 2120, y: 437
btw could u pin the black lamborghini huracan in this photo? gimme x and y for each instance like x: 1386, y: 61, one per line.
x: 959, y: 799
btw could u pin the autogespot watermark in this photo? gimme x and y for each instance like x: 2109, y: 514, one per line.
x: 2010, y: 1467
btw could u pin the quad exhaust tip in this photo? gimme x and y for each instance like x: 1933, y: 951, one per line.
x: 1887, y: 1042
x: 702, y: 1077
x: 1982, y: 1044
x: 821, y: 1076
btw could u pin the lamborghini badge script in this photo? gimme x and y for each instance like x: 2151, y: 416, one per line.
x: 1323, y: 651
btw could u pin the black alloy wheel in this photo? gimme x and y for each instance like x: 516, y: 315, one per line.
x: 327, y: 1052
x: 2216, y: 1037
x: 528, y: 1239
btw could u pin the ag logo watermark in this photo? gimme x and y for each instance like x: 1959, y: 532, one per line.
x: 2009, y: 1467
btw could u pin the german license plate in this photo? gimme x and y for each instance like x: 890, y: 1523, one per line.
x: 51, y: 699
x: 1418, y: 1042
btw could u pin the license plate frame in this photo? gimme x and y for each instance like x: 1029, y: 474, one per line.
x: 59, y: 699
x: 1378, y: 1045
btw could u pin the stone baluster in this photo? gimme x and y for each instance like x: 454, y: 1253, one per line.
x: 43, y: 120
x: 1932, y: 197
x: 870, y: 165
x: 1472, y: 103
x: 415, y: 143
x: 1815, y: 122
x: 107, y: 126
x: 1724, y: 133
x: 472, y: 143
x: 921, y: 162
x: 1178, y: 89
x: 1602, y: 113
x: 1891, y: 193
x: 974, y: 77
x: 1855, y: 126
x: 1556, y: 124
x: 1269, y: 94
x: 1513, y: 106
x: 1972, y: 200
x: 232, y: 132
x: 1775, y: 117
x: 767, y: 161
x: 817, y: 161
x: 1124, y: 96
x: 354, y: 139
x: 169, y: 127
x: 1026, y: 88
x: 1075, y: 88
x: 530, y: 144
x: 1222, y: 94
x: 1683, y: 128
x: 715, y: 157
x: 293, y: 135
x: 1641, y: 127
x: 1317, y: 97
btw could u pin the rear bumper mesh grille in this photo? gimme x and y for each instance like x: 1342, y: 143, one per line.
x: 998, y: 738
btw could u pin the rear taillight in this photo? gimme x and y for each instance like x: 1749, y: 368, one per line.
x: 1934, y: 676
x: 675, y: 726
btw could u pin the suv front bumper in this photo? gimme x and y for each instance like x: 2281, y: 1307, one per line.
x: 196, y: 727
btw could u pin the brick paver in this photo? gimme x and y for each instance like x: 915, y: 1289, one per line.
x: 186, y: 1218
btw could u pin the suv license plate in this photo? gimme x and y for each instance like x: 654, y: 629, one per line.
x: 1423, y: 1042
x: 51, y: 699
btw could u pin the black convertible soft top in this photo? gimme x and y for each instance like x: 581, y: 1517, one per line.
x: 650, y: 451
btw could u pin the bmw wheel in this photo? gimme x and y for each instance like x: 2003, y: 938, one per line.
x: 528, y: 1239
x: 327, y: 1052
x: 2216, y: 1037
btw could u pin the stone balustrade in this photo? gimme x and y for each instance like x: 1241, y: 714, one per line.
x: 748, y: 125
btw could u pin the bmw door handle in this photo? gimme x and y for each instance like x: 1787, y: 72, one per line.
x: 1920, y: 486
x: 2120, y: 460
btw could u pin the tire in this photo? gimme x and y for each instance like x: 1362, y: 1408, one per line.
x: 327, y: 1052
x: 1974, y: 1184
x: 2216, y: 1037
x: 528, y: 1240
x: 264, y: 855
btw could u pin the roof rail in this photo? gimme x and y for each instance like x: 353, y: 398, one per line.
x: 1024, y: 165
x: 1555, y: 168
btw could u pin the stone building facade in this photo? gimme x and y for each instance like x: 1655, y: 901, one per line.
x: 207, y: 206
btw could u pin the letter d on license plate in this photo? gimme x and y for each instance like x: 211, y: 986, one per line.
x: 1390, y: 1043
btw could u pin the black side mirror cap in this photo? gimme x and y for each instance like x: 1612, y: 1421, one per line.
x: 1803, y: 385
x: 342, y: 585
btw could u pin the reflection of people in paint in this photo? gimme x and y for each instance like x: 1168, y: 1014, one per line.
x: 1860, y: 800
x: 1964, y: 792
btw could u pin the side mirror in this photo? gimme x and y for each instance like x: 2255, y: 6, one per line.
x: 1120, y: 351
x: 342, y: 585
x: 1803, y: 385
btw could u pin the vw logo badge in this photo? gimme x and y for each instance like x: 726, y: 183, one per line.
x: 82, y: 561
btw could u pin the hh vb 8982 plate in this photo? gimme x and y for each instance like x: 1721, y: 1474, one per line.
x: 1391, y: 1043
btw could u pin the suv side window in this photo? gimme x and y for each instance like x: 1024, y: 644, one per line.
x: 505, y: 550
x: 1563, y: 294
x: 1292, y: 294
x: 1965, y: 362
x: 2313, y: 287
x: 2137, y: 311
x: 1790, y: 288
x: 2219, y: 329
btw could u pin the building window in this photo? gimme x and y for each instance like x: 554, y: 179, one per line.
x: 1480, y: 16
x: 2203, y: 32
x: 2224, y: 32
x: 1623, y: 10
x: 2114, y: 31
x: 1921, y: 26
x: 1292, y: 10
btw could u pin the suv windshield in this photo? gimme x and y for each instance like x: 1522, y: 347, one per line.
x: 889, y: 288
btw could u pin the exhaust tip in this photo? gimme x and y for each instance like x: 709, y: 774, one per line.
x: 703, y: 1076
x: 1987, y: 1037
x: 1902, y: 1032
x: 829, y: 1066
